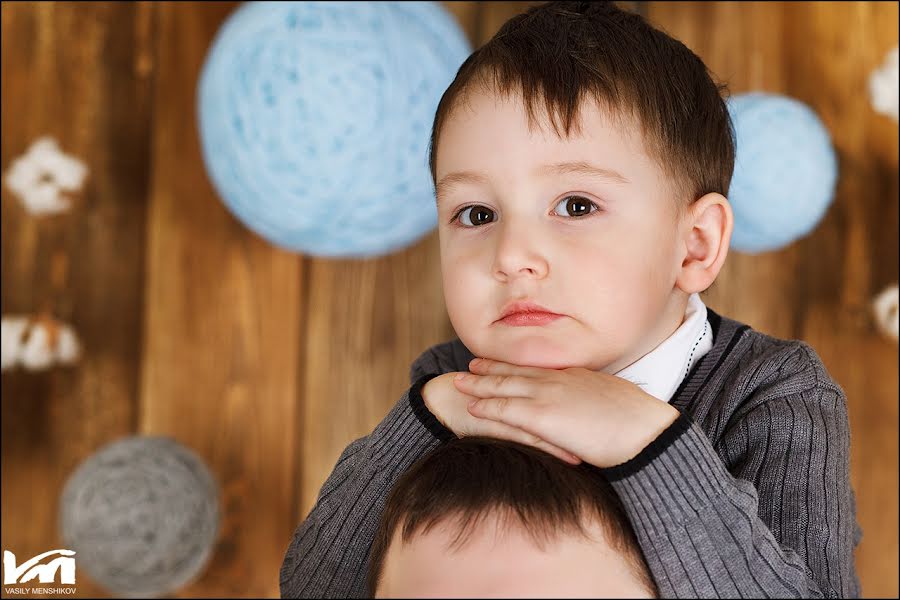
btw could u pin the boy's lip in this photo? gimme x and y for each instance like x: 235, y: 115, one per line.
x: 524, y: 306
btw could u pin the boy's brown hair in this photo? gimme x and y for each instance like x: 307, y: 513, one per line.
x: 468, y: 479
x: 562, y: 53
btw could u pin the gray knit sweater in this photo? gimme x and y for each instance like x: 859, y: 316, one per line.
x: 747, y: 494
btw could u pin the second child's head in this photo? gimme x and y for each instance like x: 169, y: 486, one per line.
x: 480, y: 517
x: 581, y: 161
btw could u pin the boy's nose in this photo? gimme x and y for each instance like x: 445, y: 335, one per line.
x: 519, y: 260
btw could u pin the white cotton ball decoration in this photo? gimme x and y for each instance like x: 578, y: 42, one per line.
x: 36, y: 353
x: 884, y: 85
x: 42, y: 174
x: 67, y: 348
x: 11, y: 331
x: 38, y: 343
x: 887, y: 312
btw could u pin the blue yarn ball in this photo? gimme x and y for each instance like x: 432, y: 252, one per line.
x: 315, y: 119
x: 784, y: 174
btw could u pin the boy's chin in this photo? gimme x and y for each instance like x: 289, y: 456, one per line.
x: 544, y: 354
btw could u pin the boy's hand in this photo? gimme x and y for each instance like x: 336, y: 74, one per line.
x: 603, y: 419
x: 448, y: 405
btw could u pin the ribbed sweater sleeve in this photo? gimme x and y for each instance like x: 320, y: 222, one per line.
x: 329, y: 552
x: 701, y: 524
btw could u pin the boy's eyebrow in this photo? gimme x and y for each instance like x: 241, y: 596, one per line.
x: 581, y: 167
x: 451, y: 180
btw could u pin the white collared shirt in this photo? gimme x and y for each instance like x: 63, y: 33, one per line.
x: 661, y: 371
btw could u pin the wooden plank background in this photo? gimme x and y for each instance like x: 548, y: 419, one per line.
x: 268, y: 363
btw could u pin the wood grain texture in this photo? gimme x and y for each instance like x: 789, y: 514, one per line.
x: 267, y: 363
x: 78, y: 74
x: 222, y: 310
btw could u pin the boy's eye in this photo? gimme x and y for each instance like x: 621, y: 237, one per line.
x: 478, y: 215
x: 575, y: 206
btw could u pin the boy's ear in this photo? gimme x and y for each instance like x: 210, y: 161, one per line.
x: 707, y: 229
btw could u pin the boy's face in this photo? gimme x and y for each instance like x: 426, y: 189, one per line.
x: 533, y: 235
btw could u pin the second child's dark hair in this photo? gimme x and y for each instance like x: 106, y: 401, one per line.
x: 465, y: 480
x: 562, y: 53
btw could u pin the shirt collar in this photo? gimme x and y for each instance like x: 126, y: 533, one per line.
x: 661, y: 371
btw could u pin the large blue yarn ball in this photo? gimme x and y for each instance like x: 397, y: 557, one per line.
x: 315, y: 119
x: 784, y: 174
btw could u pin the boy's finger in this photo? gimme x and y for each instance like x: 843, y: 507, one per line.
x: 516, y: 412
x: 499, y: 430
x: 559, y: 453
x: 487, y: 386
x: 485, y: 366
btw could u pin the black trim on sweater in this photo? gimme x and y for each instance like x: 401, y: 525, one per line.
x: 715, y: 319
x: 651, y: 451
x: 425, y: 416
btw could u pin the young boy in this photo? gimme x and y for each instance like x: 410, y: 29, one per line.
x: 582, y: 161
x: 542, y: 529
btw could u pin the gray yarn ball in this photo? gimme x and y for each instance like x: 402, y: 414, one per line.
x: 142, y: 515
